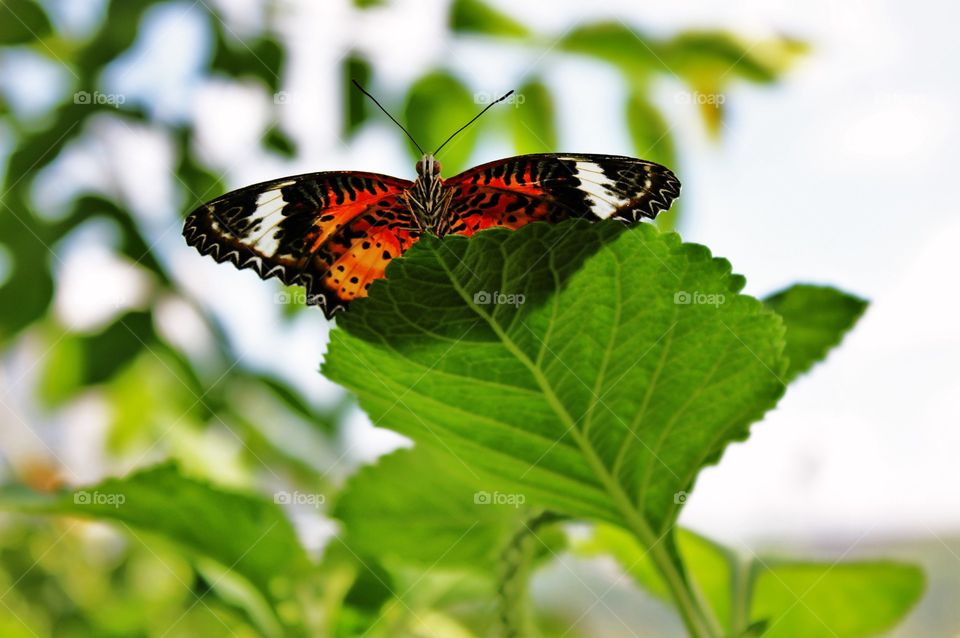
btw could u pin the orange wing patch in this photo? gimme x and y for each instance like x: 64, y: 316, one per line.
x: 366, y: 260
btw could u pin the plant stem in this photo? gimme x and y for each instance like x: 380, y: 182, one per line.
x: 740, y: 607
x: 515, y: 562
x: 688, y: 605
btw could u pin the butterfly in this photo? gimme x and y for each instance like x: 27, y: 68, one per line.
x: 335, y: 232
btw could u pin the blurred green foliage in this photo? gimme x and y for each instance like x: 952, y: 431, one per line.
x: 154, y: 570
x: 786, y: 599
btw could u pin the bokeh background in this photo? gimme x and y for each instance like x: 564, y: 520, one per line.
x: 816, y: 142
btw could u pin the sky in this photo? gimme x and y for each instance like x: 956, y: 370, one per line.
x: 839, y: 175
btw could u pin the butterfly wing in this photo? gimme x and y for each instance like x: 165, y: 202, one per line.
x: 518, y: 190
x: 332, y: 233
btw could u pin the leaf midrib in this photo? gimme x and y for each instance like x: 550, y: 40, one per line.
x: 634, y: 517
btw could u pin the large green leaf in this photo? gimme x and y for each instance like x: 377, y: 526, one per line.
x: 456, y: 513
x: 598, y: 392
x: 817, y: 318
x: 437, y: 105
x: 475, y: 16
x: 245, y: 534
x: 825, y: 600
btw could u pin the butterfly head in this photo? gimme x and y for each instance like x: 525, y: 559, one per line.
x: 428, y: 167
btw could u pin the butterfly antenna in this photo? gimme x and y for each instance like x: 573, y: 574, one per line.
x: 475, y: 118
x: 364, y: 91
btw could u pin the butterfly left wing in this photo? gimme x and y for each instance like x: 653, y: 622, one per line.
x: 332, y: 232
x: 552, y: 187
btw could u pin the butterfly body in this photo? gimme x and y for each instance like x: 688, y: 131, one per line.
x: 335, y: 232
x: 428, y: 199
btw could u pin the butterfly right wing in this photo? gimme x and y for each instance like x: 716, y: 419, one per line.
x: 515, y: 191
x: 331, y: 232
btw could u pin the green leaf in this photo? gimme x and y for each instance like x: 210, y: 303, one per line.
x: 119, y: 30
x: 475, y: 16
x: 709, y: 60
x: 595, y: 394
x: 650, y: 136
x: 649, y: 131
x: 355, y: 68
x: 714, y: 54
x: 132, y: 242
x: 78, y: 361
x: 199, y: 183
x: 817, y: 318
x: 614, y: 42
x: 533, y: 119
x: 437, y: 105
x: 246, y: 534
x: 782, y: 599
x: 709, y: 565
x: 844, y: 600
x: 22, y: 21
x: 262, y: 59
x: 111, y: 349
x: 277, y: 140
x: 324, y: 420
x: 28, y: 289
x: 464, y: 529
